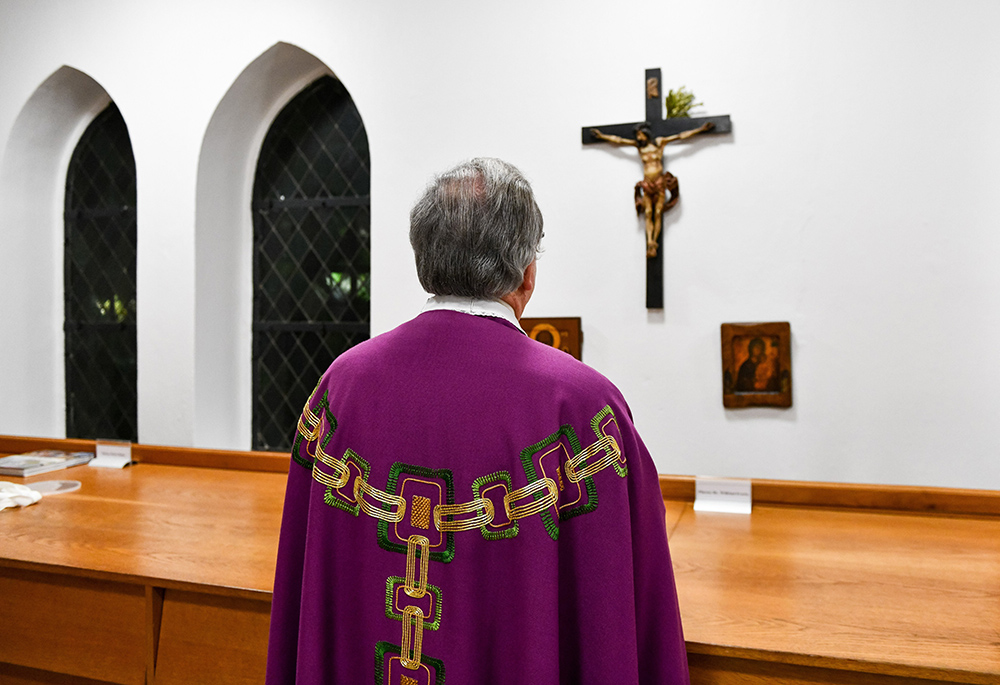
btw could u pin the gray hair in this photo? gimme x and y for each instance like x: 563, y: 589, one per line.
x: 475, y: 230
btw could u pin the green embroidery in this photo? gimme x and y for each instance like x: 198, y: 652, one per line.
x: 382, y: 648
x: 330, y: 497
x: 477, y: 486
x: 392, y: 486
x: 296, y: 456
x: 390, y: 595
x: 322, y: 406
x: 591, y: 505
x: 595, y: 423
x: 527, y: 461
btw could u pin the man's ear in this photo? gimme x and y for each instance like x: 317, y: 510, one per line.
x: 528, y: 284
x: 518, y: 299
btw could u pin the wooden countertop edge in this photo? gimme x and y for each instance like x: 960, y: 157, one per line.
x: 844, y: 664
x: 272, y: 462
x: 137, y: 580
x: 926, y: 500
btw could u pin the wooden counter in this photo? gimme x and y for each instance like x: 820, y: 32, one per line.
x: 162, y: 573
x: 820, y: 595
x: 151, y: 573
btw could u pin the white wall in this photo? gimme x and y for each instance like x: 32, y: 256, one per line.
x: 853, y: 200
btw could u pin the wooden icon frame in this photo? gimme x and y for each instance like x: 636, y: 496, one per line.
x: 752, y: 380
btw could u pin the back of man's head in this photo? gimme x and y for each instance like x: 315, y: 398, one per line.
x: 475, y: 230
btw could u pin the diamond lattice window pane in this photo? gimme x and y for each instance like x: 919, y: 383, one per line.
x: 286, y: 367
x: 99, y: 283
x: 312, y: 253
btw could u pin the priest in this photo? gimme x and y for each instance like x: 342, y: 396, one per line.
x: 467, y: 505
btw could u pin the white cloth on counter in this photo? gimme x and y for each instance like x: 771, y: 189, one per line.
x: 15, y: 495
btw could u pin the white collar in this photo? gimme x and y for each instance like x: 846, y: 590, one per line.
x: 468, y: 305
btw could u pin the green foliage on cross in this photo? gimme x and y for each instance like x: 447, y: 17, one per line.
x: 679, y: 103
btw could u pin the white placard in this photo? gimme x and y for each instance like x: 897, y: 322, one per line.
x: 727, y: 495
x: 112, y: 454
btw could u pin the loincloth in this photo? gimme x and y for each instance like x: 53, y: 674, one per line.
x: 655, y: 189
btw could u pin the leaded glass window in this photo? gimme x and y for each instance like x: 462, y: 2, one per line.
x: 99, y: 283
x: 312, y: 259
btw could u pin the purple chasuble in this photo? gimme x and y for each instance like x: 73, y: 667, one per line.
x: 466, y: 505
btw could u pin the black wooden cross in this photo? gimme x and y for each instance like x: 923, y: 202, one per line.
x: 660, y: 127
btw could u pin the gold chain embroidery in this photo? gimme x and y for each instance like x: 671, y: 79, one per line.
x: 411, y: 644
x: 420, y: 512
x: 473, y: 507
x: 361, y: 487
x: 412, y: 615
x: 417, y: 588
x: 607, y: 445
x: 535, y: 506
x: 338, y: 465
x: 310, y: 434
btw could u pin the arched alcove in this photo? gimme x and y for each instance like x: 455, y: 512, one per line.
x: 32, y: 191
x: 223, y: 240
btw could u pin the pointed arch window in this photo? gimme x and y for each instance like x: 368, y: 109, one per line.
x: 311, y: 254
x: 99, y: 283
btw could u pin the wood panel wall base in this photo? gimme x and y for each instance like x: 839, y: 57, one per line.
x: 722, y: 665
x: 910, y: 498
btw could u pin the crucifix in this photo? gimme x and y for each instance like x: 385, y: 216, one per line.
x: 651, y: 199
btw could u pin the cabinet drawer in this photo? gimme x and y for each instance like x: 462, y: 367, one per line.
x: 77, y: 626
x: 223, y: 639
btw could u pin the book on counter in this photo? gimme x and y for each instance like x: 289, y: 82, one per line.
x: 41, y: 461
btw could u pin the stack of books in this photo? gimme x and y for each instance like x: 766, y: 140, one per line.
x: 41, y: 461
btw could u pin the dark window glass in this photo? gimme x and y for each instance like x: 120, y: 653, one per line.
x: 99, y: 283
x: 312, y: 260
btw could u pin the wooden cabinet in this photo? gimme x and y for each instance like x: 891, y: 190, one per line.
x: 153, y: 574
x: 161, y: 574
